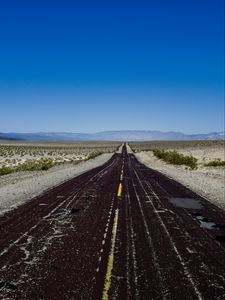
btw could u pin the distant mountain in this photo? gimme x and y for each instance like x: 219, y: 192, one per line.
x: 125, y: 135
x: 3, y: 136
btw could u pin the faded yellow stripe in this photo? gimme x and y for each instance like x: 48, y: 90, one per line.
x: 119, y: 193
x: 108, y: 277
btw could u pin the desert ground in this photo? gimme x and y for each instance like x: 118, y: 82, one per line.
x: 209, y: 182
x: 13, y: 154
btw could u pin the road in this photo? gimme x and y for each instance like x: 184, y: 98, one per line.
x: 120, y: 231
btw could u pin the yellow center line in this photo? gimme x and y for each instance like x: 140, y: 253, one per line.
x: 108, y: 277
x: 122, y: 170
x: 119, y: 193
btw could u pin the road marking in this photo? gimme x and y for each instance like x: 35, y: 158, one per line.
x: 131, y: 236
x: 104, y: 236
x: 108, y: 277
x: 174, y: 247
x: 119, y: 193
x: 122, y: 171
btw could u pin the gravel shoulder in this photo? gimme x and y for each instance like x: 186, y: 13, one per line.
x: 207, y: 182
x: 16, y: 188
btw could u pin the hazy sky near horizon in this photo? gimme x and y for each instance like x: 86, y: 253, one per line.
x: 89, y: 66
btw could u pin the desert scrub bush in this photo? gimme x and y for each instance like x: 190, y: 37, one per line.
x: 173, y: 157
x: 215, y: 163
x: 5, y: 170
x: 94, y: 154
x: 39, y: 165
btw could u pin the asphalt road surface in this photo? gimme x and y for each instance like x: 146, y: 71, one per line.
x: 120, y: 231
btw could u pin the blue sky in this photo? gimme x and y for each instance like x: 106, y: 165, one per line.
x: 88, y: 66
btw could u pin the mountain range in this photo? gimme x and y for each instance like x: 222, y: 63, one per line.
x: 124, y: 135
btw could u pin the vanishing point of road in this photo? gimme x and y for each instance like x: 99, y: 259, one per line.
x: 120, y: 231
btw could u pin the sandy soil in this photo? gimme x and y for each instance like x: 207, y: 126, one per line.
x: 207, y: 182
x: 120, y: 149
x: 129, y: 150
x: 204, y: 154
x: 19, y: 187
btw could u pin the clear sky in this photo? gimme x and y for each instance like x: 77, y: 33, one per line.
x: 88, y: 66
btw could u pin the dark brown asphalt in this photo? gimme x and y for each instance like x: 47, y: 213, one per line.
x: 82, y: 240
